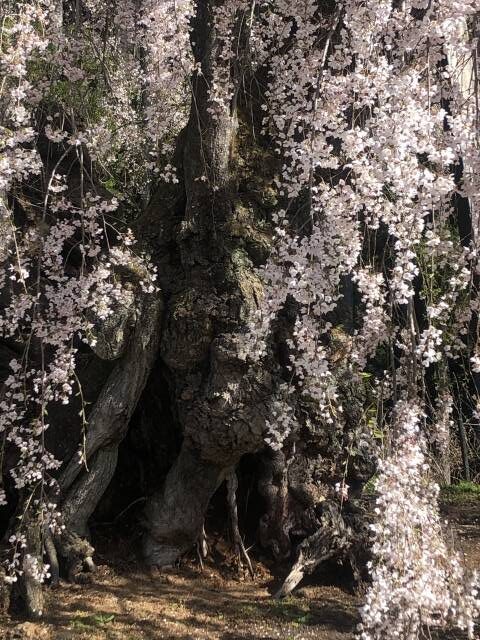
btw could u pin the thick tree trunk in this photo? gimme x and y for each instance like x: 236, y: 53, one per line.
x: 221, y: 400
x: 27, y: 592
x: 82, y: 486
x: 176, y: 514
x: 209, y: 249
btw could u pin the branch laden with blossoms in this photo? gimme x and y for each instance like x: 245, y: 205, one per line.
x: 372, y: 114
x: 60, y: 251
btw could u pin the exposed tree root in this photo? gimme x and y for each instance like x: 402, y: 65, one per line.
x: 242, y: 554
x: 75, y: 556
x: 51, y: 553
x: 333, y: 539
x: 202, y: 547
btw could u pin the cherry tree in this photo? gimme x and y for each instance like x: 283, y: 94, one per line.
x: 277, y: 201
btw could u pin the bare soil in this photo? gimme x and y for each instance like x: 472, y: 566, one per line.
x: 123, y: 602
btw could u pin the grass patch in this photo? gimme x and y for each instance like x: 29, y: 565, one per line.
x: 462, y: 491
x: 289, y: 610
x: 83, y: 623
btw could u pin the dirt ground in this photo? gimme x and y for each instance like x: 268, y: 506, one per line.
x: 125, y: 603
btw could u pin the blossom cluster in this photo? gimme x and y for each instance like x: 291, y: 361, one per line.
x: 59, y: 262
x: 373, y: 109
x: 417, y: 580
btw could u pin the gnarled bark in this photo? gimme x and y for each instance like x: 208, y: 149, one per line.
x: 82, y: 486
x: 304, y: 517
x: 221, y: 400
